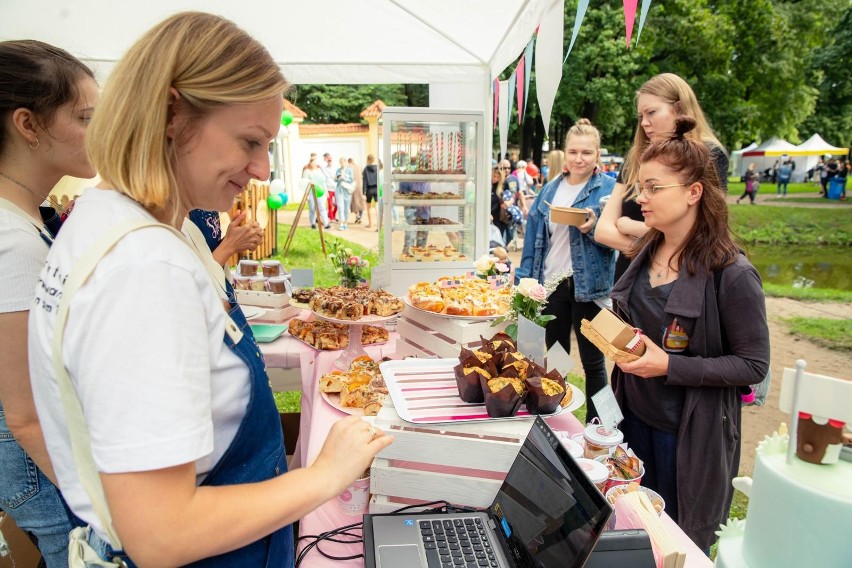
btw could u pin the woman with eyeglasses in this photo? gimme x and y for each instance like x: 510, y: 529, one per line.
x: 659, y: 102
x: 553, y: 251
x: 700, y: 307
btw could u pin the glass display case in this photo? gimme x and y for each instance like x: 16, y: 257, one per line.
x: 433, y: 224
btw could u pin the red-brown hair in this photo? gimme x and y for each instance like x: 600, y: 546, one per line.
x: 709, y: 245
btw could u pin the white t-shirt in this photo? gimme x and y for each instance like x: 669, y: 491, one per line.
x: 22, y: 253
x: 144, y: 348
x: 558, y: 257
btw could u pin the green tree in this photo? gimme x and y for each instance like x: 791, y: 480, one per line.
x: 330, y: 104
x: 829, y: 70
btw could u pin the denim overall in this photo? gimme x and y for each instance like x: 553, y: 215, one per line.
x: 256, y: 454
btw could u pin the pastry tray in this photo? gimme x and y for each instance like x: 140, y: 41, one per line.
x: 424, y: 391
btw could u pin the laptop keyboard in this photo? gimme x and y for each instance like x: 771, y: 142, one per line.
x: 451, y: 543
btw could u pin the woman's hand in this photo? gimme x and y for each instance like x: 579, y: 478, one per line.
x: 242, y: 234
x: 349, y: 450
x: 654, y: 363
x: 592, y: 219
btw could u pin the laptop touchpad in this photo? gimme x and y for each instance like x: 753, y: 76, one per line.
x: 394, y: 556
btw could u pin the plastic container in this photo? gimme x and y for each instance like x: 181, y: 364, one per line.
x: 574, y: 449
x: 595, y: 471
x: 616, y: 481
x: 835, y: 187
x: 242, y: 282
x: 248, y: 267
x: 271, y: 268
x: 599, y: 442
x: 258, y: 283
x: 276, y: 284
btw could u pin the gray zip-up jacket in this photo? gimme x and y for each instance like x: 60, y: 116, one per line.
x: 711, y: 369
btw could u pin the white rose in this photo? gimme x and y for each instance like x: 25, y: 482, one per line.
x: 525, y: 286
x: 484, y: 264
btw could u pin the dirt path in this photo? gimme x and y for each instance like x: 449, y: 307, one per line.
x: 786, y: 349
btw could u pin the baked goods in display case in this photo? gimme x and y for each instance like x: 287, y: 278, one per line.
x: 360, y: 389
x: 430, y: 178
x: 464, y: 296
x: 352, y: 304
x: 329, y: 336
x: 503, y: 378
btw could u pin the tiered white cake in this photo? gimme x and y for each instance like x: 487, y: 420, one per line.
x: 799, y: 514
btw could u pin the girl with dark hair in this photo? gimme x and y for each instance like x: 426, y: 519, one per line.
x: 699, y: 303
x: 46, y: 100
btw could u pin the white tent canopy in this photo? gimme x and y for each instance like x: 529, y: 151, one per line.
x: 816, y: 146
x: 327, y: 42
x: 772, y: 147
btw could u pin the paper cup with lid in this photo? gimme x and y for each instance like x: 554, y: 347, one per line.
x: 574, y: 449
x: 595, y: 471
x: 599, y: 440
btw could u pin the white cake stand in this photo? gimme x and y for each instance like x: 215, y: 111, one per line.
x: 354, y: 349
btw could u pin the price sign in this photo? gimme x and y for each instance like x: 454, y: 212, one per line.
x: 608, y: 410
x: 302, y: 277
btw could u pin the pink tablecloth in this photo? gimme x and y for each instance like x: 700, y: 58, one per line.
x: 329, y: 516
x: 317, y: 419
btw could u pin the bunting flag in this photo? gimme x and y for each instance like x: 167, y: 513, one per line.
x: 578, y: 20
x: 512, y: 83
x: 496, y: 88
x: 528, y: 61
x: 519, y: 87
x: 503, y: 115
x: 548, y: 59
x: 646, y: 5
x: 629, y: 18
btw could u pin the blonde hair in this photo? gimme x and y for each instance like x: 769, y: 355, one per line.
x: 555, y: 161
x: 675, y: 91
x: 584, y: 127
x: 210, y: 62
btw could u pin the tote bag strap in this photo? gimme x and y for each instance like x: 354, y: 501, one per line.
x: 77, y: 428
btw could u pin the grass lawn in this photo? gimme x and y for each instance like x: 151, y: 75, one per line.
x: 738, y: 187
x: 831, y: 333
x: 306, y: 252
x: 792, y: 225
x: 807, y: 294
x: 288, y: 401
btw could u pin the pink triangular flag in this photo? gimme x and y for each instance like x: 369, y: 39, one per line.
x: 519, y: 79
x: 629, y: 17
x: 496, y: 88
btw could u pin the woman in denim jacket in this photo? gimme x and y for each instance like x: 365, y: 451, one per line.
x: 552, y: 250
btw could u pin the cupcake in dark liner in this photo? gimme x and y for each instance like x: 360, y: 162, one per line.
x: 505, y: 402
x: 510, y: 372
x: 498, y: 343
x: 468, y: 373
x: 482, y: 356
x: 538, y: 400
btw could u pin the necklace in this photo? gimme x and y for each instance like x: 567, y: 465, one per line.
x: 665, y: 270
x: 49, y: 198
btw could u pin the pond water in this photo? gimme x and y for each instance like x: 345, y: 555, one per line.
x: 804, y: 266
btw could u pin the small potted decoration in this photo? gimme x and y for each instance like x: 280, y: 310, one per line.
x: 528, y: 300
x: 490, y: 268
x: 350, y: 267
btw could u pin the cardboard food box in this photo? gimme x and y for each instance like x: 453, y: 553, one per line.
x: 568, y: 215
x: 616, y: 338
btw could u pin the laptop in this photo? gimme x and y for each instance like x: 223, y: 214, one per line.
x: 546, y: 514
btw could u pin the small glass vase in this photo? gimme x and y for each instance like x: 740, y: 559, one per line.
x: 352, y: 282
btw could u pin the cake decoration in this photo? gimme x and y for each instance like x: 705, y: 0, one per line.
x: 776, y: 443
x: 818, y: 440
x: 734, y: 527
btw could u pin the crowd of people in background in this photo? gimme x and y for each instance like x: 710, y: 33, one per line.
x: 349, y: 190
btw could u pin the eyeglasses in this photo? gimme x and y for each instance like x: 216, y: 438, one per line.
x: 506, y: 168
x: 649, y: 188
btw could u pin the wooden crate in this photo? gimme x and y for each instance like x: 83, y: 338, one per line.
x: 253, y: 200
x: 423, y: 334
x: 262, y: 299
x: 463, y: 463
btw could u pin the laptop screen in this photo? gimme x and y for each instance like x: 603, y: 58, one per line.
x: 549, y: 512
